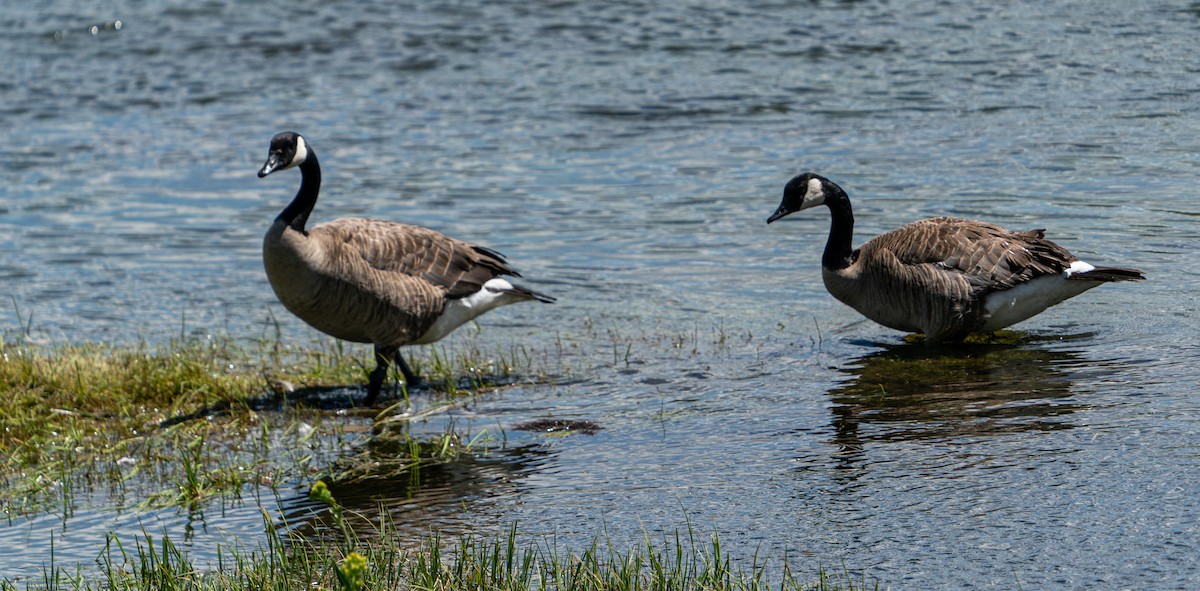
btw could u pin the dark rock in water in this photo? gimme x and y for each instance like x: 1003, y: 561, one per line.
x: 559, y: 425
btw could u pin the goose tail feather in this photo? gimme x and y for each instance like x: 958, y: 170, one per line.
x: 1109, y: 274
x: 523, y: 292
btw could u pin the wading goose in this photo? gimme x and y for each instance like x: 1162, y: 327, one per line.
x: 373, y: 281
x: 943, y: 277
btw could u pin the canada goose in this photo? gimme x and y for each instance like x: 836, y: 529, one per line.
x: 944, y: 277
x: 374, y: 281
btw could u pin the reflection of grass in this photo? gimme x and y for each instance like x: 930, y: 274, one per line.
x: 511, y: 562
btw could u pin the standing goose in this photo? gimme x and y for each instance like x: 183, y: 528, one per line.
x: 944, y: 277
x: 374, y: 281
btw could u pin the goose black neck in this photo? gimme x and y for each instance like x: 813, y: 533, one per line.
x: 839, y: 251
x: 296, y: 213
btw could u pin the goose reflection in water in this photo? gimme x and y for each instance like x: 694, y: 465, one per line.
x: 913, y: 392
x: 435, y: 497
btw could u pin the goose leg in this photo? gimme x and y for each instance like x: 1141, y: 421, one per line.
x: 410, y: 378
x: 383, y: 356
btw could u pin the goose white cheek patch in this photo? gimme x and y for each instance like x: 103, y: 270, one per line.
x: 301, y: 153
x: 815, y: 195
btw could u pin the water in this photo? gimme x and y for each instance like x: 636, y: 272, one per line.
x: 625, y: 157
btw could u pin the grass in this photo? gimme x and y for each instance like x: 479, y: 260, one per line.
x: 193, y: 420
x: 511, y: 562
x: 184, y: 417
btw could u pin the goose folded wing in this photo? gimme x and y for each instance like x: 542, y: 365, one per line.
x: 989, y: 257
x: 458, y: 267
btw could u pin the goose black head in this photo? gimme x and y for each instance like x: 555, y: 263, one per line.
x: 805, y: 191
x: 288, y: 149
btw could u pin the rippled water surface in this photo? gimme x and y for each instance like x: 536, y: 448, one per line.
x: 625, y: 155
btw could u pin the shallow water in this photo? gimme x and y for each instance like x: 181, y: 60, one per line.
x: 625, y: 157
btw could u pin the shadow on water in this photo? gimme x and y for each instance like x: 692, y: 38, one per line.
x: 277, y: 399
x: 280, y: 395
x: 918, y: 392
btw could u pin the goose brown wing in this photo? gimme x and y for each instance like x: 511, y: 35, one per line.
x: 458, y: 267
x: 987, y: 256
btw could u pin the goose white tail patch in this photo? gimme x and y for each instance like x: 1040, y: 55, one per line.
x: 1078, y: 267
x: 462, y: 310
